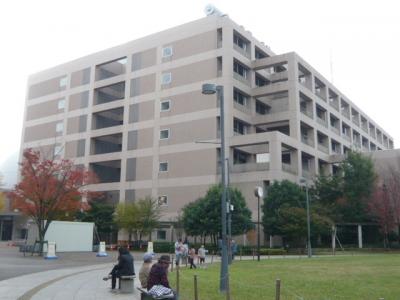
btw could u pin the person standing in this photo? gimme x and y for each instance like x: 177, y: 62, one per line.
x: 123, y: 268
x: 145, y: 269
x: 202, y: 254
x: 192, y: 256
x: 178, y: 251
x: 233, y: 248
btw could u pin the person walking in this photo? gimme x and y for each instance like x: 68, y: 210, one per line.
x: 192, y: 256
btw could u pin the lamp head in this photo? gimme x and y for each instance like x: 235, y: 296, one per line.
x: 208, y: 89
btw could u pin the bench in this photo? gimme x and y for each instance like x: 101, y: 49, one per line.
x: 126, y: 284
x: 144, y: 295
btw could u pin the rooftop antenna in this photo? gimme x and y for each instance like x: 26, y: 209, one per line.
x: 212, y: 10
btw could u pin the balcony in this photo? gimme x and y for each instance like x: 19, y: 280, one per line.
x: 249, y: 167
x: 322, y: 122
x: 289, y: 168
x: 323, y: 148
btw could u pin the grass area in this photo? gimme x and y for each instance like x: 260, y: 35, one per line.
x: 362, y: 277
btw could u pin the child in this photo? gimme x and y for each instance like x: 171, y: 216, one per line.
x: 192, y: 256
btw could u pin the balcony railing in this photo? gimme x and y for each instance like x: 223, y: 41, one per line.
x: 307, y: 141
x: 323, y: 148
x: 289, y: 168
x: 241, y: 78
x: 249, y: 167
x: 308, y: 113
x: 335, y: 130
x: 322, y: 122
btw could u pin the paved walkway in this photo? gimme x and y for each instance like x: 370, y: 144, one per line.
x: 79, y: 283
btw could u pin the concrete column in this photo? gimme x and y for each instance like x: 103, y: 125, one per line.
x: 275, y: 149
x: 360, y: 240
x: 271, y: 241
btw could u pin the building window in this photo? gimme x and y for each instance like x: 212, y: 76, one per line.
x: 240, y: 42
x: 57, y: 150
x: 163, y: 167
x: 240, y: 69
x: 162, y: 200
x: 161, y: 235
x: 166, y: 78
x: 164, y: 134
x: 63, y: 81
x: 165, y: 105
x: 61, y: 104
x: 167, y: 51
x: 239, y: 127
x: 239, y: 97
x: 60, y: 127
x: 261, y: 108
x: 239, y: 157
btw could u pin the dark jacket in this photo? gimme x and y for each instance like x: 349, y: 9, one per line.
x: 157, y: 276
x: 125, y: 264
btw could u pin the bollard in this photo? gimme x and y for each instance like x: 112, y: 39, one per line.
x: 177, y: 279
x: 228, y: 288
x: 196, y: 295
x: 278, y: 289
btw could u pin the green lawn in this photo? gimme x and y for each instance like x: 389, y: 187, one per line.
x: 360, y: 277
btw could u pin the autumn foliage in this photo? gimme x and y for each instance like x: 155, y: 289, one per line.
x: 49, y: 188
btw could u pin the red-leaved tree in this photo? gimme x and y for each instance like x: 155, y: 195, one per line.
x: 49, y: 188
x: 381, y: 207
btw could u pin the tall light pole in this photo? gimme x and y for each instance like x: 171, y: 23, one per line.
x: 210, y: 89
x: 258, y: 192
x: 309, y: 253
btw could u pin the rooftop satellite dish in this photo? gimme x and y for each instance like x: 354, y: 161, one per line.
x: 212, y: 10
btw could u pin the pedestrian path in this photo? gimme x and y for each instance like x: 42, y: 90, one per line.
x: 82, y: 283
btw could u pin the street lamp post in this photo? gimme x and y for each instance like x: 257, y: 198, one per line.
x: 309, y: 252
x: 209, y: 89
x: 258, y: 192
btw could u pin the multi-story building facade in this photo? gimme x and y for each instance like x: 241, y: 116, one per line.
x: 134, y: 114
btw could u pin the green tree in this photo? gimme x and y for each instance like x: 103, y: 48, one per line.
x: 149, y: 215
x: 344, y: 196
x: 203, y: 217
x: 101, y: 214
x: 284, y: 213
x: 138, y: 218
x: 127, y: 217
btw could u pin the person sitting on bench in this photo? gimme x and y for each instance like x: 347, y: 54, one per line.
x: 159, y: 274
x: 145, y: 269
x: 123, y: 268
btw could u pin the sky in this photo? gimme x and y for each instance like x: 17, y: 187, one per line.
x: 355, y: 44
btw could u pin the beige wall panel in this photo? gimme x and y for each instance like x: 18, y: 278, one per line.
x: 40, y: 132
x: 144, y: 59
x: 204, y: 129
x: 190, y: 163
x: 143, y: 111
x: 144, y: 168
x: 200, y: 71
x: 178, y: 196
x: 43, y: 110
x: 143, y: 85
x: 79, y: 100
x: 196, y: 44
x: 47, y: 87
x: 189, y: 102
x: 76, y: 124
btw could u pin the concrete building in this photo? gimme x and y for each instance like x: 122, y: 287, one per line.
x: 134, y: 114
